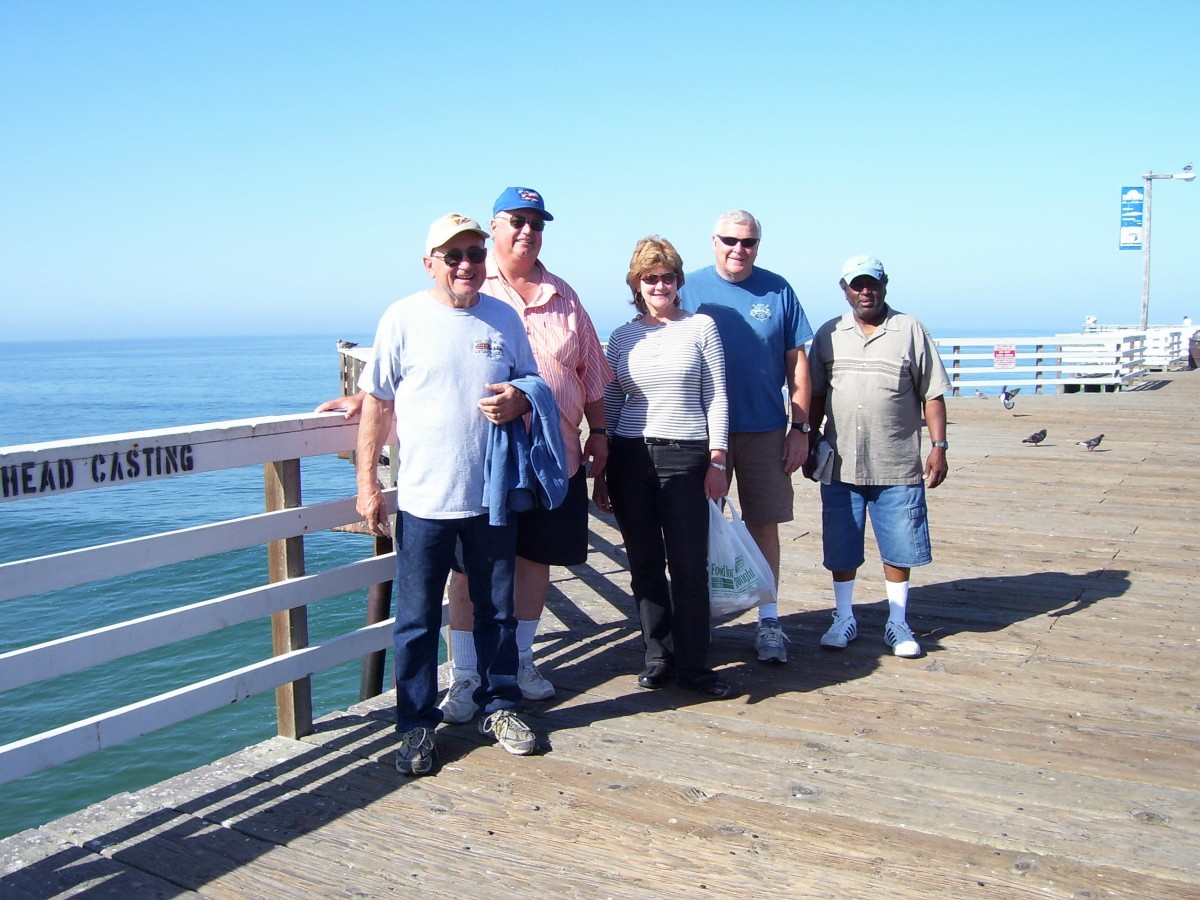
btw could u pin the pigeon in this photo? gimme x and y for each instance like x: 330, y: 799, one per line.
x: 980, y: 394
x: 1036, y: 438
x: 1006, y: 396
x: 346, y: 345
x: 1091, y: 443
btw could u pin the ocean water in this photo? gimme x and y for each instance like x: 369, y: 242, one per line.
x: 51, y: 391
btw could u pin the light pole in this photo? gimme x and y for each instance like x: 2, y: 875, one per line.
x: 1186, y: 175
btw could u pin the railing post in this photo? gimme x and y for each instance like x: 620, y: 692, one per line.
x: 289, y: 629
x: 955, y: 363
x: 379, y: 608
x: 1038, y: 362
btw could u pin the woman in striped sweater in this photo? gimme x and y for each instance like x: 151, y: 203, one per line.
x: 668, y: 421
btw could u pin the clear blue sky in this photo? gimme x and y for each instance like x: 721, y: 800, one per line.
x: 253, y: 167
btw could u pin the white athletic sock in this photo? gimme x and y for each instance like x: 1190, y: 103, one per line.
x: 897, y: 594
x: 526, y: 632
x: 462, y: 651
x: 843, y: 596
x: 768, y: 611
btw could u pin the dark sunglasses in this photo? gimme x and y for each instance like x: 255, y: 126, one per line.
x: 668, y: 279
x: 519, y: 222
x: 748, y: 243
x: 454, y: 258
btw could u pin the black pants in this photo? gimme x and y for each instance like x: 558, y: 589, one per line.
x: 657, y: 492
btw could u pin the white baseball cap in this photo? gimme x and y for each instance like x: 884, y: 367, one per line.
x: 445, y: 228
x: 862, y: 265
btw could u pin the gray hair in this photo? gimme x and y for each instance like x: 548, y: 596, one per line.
x: 738, y: 217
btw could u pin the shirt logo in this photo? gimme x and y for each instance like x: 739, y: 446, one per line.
x: 761, y: 311
x: 493, y: 347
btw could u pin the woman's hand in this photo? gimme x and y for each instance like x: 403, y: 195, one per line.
x: 716, y: 483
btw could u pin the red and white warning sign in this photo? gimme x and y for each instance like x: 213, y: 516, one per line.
x: 1004, y: 356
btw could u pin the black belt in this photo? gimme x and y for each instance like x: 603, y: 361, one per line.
x: 679, y: 445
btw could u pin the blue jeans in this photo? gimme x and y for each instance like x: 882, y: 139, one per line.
x: 424, y: 552
x: 657, y: 493
x: 899, y: 518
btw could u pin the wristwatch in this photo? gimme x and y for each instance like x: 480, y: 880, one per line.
x: 802, y: 427
x: 941, y: 445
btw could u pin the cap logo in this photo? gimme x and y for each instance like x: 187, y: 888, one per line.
x: 529, y: 196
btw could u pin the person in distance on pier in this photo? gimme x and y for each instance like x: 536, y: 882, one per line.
x: 442, y: 364
x: 875, y: 372
x: 763, y: 329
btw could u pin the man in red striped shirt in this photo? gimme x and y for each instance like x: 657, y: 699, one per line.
x: 571, y: 360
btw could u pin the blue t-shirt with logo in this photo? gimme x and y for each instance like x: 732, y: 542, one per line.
x: 759, y: 320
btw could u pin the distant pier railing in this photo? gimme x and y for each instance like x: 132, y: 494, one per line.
x: 277, y: 443
x: 1064, y: 362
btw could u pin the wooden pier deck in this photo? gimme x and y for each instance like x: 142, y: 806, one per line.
x: 1046, y: 745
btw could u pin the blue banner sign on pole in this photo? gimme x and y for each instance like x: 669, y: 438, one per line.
x: 1132, y: 200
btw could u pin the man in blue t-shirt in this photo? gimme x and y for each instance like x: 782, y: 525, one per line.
x: 763, y: 329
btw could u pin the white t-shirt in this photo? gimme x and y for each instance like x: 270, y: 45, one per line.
x: 433, y: 361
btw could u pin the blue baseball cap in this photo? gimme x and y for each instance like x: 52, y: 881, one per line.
x: 521, y: 198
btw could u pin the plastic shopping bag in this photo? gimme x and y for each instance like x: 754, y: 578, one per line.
x: 738, y: 574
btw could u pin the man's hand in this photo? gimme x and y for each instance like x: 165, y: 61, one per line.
x: 936, y: 468
x: 600, y: 495
x: 350, y: 406
x: 373, y: 509
x: 595, y: 448
x: 809, y: 468
x: 795, y: 450
x: 506, y: 404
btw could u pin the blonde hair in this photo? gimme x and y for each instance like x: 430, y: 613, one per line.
x: 649, y: 253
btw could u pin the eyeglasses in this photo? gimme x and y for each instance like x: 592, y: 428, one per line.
x: 454, y: 258
x: 519, y: 222
x: 668, y: 279
x: 748, y: 243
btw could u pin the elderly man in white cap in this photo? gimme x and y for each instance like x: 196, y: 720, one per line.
x: 442, y: 362
x: 875, y: 375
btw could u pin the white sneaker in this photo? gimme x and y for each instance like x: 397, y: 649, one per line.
x: 533, y: 685
x: 459, y: 705
x: 768, y: 641
x: 901, y: 640
x: 510, y: 732
x: 840, y: 633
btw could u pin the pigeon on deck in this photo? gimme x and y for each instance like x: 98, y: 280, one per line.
x: 980, y: 394
x: 1036, y: 438
x: 1006, y: 396
x: 1091, y: 443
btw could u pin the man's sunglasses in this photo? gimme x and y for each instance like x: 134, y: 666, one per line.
x: 454, y: 258
x: 748, y: 243
x: 519, y: 222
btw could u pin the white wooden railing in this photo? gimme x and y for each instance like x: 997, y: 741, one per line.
x: 1065, y: 361
x: 67, y: 467
x: 1166, y: 345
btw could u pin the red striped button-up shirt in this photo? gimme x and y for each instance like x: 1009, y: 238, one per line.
x: 567, y: 348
